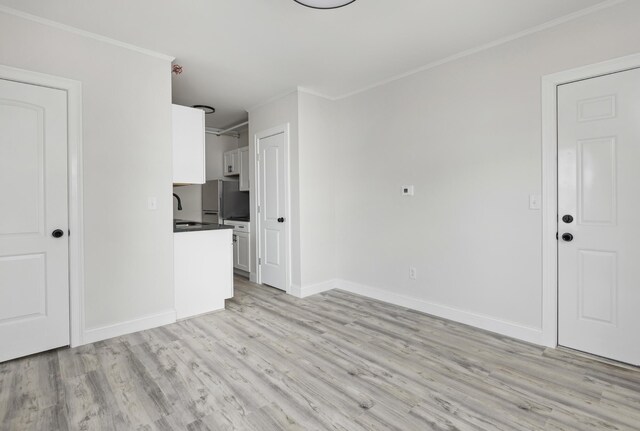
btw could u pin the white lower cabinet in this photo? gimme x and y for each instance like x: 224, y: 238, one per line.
x: 241, y: 244
x: 203, y: 271
x: 241, y: 251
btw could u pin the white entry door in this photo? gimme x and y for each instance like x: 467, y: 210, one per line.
x: 599, y: 216
x: 274, y: 241
x: 34, y: 268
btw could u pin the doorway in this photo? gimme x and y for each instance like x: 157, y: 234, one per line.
x: 41, y: 266
x: 591, y: 150
x: 272, y: 184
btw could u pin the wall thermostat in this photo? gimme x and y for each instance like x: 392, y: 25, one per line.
x: 407, y: 190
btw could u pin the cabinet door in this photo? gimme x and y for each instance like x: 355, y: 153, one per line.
x: 229, y: 167
x: 242, y: 247
x: 243, y: 156
x: 188, y: 145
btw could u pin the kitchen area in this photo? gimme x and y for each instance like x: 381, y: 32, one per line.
x: 211, y: 212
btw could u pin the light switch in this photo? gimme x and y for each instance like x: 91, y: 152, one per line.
x: 407, y: 190
x: 152, y: 204
x: 535, y: 202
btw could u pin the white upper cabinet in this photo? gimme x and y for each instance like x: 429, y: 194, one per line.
x: 188, y: 146
x: 243, y: 157
x: 231, y: 163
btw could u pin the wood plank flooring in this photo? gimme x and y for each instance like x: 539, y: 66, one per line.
x: 334, y: 361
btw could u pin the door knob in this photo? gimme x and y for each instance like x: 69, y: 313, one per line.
x: 567, y: 237
x: 567, y: 218
x: 58, y: 233
x: 281, y: 220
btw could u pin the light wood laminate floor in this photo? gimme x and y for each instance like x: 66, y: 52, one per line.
x: 334, y: 361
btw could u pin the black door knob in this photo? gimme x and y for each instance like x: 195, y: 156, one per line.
x: 567, y: 237
x: 567, y: 218
x: 58, y: 233
x: 281, y: 220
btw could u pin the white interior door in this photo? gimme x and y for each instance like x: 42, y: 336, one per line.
x: 599, y: 216
x: 274, y: 242
x: 34, y: 266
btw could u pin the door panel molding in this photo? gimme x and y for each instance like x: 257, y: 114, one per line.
x: 74, y: 165
x: 549, y: 95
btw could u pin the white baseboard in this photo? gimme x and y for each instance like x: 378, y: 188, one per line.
x: 503, y: 327
x: 303, y: 292
x: 117, y: 329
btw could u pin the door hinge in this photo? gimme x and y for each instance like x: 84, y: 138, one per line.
x: 557, y: 236
x: 258, y: 208
x: 259, y: 261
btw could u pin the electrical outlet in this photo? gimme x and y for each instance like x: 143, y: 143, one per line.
x: 412, y: 273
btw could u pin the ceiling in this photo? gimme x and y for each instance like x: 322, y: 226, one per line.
x: 238, y: 53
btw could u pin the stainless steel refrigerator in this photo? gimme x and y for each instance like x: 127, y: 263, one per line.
x: 223, y: 200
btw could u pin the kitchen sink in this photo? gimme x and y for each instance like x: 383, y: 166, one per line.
x: 186, y: 224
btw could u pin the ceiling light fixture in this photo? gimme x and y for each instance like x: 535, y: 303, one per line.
x: 324, y: 4
x: 205, y: 108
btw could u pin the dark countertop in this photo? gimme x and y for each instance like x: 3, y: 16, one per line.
x: 194, y: 226
x: 238, y: 219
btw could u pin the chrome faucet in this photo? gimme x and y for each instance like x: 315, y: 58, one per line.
x: 179, y: 201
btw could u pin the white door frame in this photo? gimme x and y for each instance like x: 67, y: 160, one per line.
x: 74, y: 152
x: 284, y: 128
x: 550, y: 181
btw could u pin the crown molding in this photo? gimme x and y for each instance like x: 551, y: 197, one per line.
x: 316, y: 93
x: 547, y: 25
x: 532, y: 30
x: 272, y: 99
x: 84, y: 33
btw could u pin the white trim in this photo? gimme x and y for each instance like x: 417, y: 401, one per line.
x: 76, y: 223
x: 271, y: 100
x: 123, y: 328
x: 84, y: 33
x: 488, y: 323
x: 466, y: 53
x: 316, y: 93
x: 549, y: 182
x: 313, y: 289
x: 284, y: 128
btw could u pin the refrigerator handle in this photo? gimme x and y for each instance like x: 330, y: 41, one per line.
x: 220, y: 201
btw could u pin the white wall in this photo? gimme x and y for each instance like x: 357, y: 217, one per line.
x: 317, y: 161
x: 276, y: 113
x: 467, y: 134
x: 312, y: 163
x: 127, y: 158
